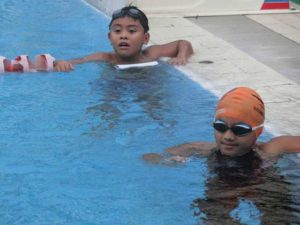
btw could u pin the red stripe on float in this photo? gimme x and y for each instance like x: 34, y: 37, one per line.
x: 275, y: 5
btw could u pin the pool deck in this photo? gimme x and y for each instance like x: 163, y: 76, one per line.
x: 261, y: 51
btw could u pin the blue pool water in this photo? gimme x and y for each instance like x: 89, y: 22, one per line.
x: 71, y: 142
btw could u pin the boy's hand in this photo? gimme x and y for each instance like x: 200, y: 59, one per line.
x: 63, y: 66
x: 178, y: 61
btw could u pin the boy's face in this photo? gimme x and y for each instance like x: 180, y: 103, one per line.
x: 127, y: 37
x: 232, y: 145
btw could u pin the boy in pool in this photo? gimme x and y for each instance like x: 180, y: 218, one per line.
x: 128, y: 32
x: 238, y: 122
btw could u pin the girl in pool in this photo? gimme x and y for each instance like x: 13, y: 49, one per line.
x: 239, y: 120
x: 240, y: 170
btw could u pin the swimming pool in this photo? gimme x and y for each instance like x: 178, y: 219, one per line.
x: 71, y: 142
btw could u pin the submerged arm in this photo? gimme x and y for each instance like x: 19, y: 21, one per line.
x: 192, y: 149
x: 180, y: 153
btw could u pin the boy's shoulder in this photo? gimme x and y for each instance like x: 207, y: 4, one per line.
x: 156, y: 50
x: 101, y: 56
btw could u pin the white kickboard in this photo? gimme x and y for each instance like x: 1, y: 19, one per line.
x: 127, y: 66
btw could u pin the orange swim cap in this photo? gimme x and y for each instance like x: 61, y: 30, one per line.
x: 243, y: 104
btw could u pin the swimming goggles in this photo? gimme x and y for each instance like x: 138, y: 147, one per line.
x: 132, y: 12
x: 122, y: 12
x: 239, y: 129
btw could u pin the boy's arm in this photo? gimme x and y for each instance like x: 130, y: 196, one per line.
x: 67, y: 65
x: 282, y: 144
x: 179, y: 51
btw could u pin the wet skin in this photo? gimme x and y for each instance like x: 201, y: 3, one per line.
x: 127, y: 38
x: 231, y: 145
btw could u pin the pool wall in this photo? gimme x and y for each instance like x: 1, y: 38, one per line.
x: 195, y: 7
x: 107, y: 7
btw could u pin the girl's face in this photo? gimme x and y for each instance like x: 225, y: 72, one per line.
x: 232, y: 145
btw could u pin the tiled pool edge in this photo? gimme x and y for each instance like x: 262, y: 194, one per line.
x: 230, y: 68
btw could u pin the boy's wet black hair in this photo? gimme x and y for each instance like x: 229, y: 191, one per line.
x: 133, y: 12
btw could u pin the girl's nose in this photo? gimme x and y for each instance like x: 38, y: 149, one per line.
x: 229, y: 135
